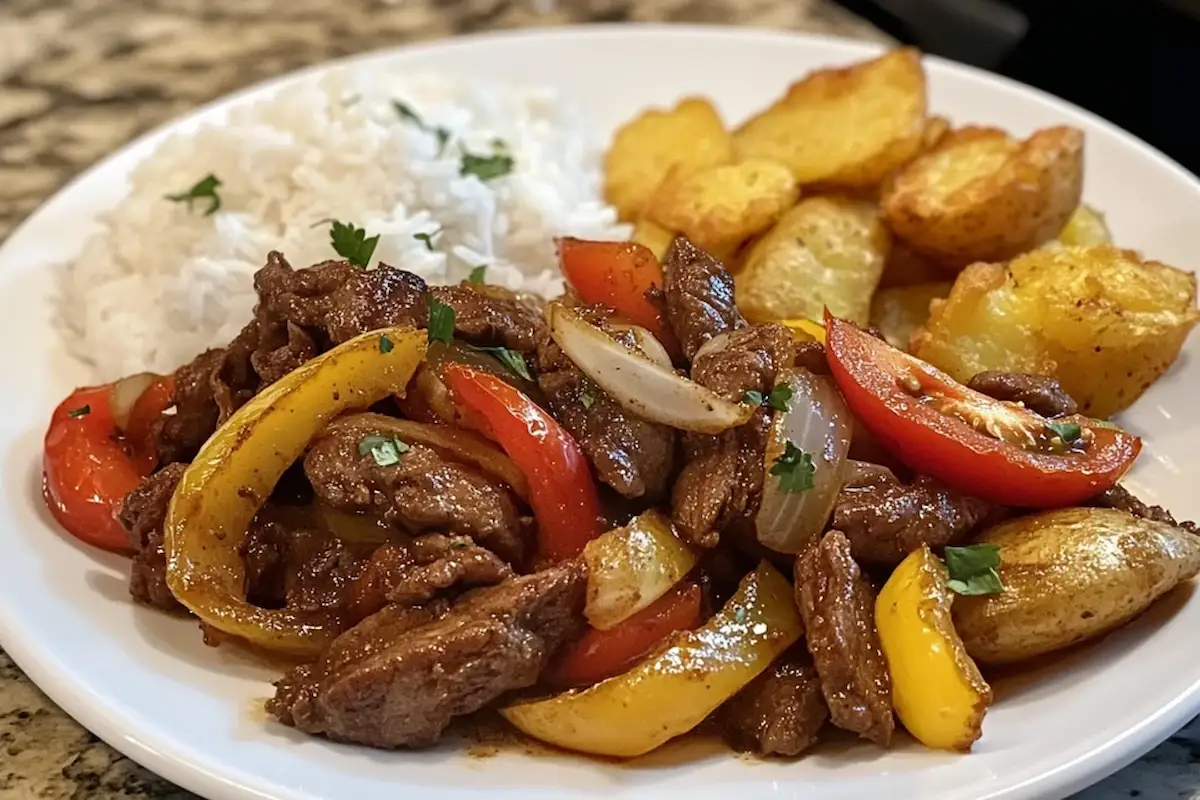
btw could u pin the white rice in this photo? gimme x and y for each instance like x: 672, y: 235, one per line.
x: 159, y: 283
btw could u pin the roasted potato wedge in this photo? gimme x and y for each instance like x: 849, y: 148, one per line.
x: 1085, y: 227
x: 899, y: 311
x: 1070, y: 575
x: 827, y: 251
x: 936, y: 129
x: 937, y: 689
x: 905, y: 267
x: 652, y: 236
x: 721, y: 207
x: 845, y: 128
x: 1103, y: 321
x: 688, y: 137
x: 982, y: 196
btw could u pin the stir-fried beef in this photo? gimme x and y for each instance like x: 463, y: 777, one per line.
x: 1121, y: 498
x: 180, y: 433
x: 142, y: 514
x: 412, y: 573
x: 780, y: 712
x: 302, y: 569
x: 1039, y: 393
x: 811, y: 356
x: 422, y: 491
x: 838, y: 607
x: 633, y: 456
x: 492, y: 316
x: 401, y: 675
x: 721, y: 482
x: 885, y: 520
x: 698, y: 296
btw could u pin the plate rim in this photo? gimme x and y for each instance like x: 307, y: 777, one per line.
x: 179, y: 763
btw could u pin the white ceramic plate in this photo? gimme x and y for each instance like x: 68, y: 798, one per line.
x: 146, y: 684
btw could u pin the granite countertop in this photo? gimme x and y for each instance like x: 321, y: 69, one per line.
x: 80, y: 77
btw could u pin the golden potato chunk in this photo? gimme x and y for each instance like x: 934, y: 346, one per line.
x: 846, y: 128
x: 720, y: 207
x: 1086, y: 226
x: 983, y: 196
x: 827, y: 251
x: 899, y: 311
x: 1100, y: 319
x: 652, y: 236
x: 688, y: 137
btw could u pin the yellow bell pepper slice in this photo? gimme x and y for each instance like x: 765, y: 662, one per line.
x: 674, y: 691
x: 235, y: 471
x: 937, y: 689
x: 805, y: 330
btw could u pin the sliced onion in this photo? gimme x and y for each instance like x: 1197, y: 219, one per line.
x: 464, y: 446
x: 638, y: 384
x: 125, y: 393
x: 819, y: 423
x: 646, y: 342
x: 631, y: 567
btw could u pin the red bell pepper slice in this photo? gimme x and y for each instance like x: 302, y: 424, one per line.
x: 561, y: 489
x: 619, y: 275
x: 598, y: 654
x: 997, y: 451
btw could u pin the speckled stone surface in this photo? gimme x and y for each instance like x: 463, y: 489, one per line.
x: 80, y: 77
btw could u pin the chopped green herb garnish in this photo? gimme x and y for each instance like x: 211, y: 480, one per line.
x: 206, y: 188
x: 82, y: 411
x: 740, y: 615
x: 385, y: 344
x: 1067, y: 431
x: 386, y: 450
x: 777, y: 398
x: 795, y: 469
x: 486, y: 167
x: 753, y: 398
x: 588, y: 398
x: 477, y: 274
x: 443, y: 136
x: 441, y: 321
x: 513, y: 361
x: 973, y: 569
x: 427, y: 238
x: 352, y: 244
x: 406, y: 112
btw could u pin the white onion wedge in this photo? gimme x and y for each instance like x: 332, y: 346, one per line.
x: 639, y: 385
x: 631, y: 567
x: 647, y: 343
x: 125, y: 393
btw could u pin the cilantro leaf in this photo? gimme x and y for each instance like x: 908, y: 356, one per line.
x: 385, y: 344
x: 427, y: 238
x: 386, y: 450
x: 777, y: 398
x: 352, y: 244
x: 753, y: 398
x: 972, y: 569
x: 1067, y: 431
x: 205, y: 188
x: 477, y: 274
x: 406, y: 112
x: 513, y: 361
x: 486, y: 167
x: 443, y: 136
x: 441, y: 321
x: 82, y: 411
x: 587, y: 399
x: 795, y: 470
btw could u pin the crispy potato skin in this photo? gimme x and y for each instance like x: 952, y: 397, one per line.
x: 721, y: 207
x: 980, y: 195
x: 688, y: 138
x: 1070, y: 575
x: 938, y: 691
x: 1100, y: 319
x: 901, y: 310
x: 844, y: 128
x: 826, y: 251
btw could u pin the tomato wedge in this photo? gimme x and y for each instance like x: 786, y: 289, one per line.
x: 561, y: 490
x: 87, y: 468
x: 998, y: 451
x: 601, y: 654
x: 618, y: 274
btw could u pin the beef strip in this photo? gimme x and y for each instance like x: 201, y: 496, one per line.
x: 423, y: 491
x: 1121, y: 498
x: 721, y: 482
x: 780, y: 712
x: 415, y: 572
x: 1039, y: 393
x: 302, y: 569
x: 811, y: 356
x: 885, y: 520
x: 633, y: 456
x: 142, y: 514
x: 180, y: 433
x: 838, y: 608
x: 697, y: 296
x: 400, y: 676
x: 492, y: 316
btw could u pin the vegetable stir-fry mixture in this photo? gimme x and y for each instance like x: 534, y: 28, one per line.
x: 724, y: 476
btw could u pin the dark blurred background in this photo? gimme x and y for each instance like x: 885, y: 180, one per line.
x: 1135, y: 62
